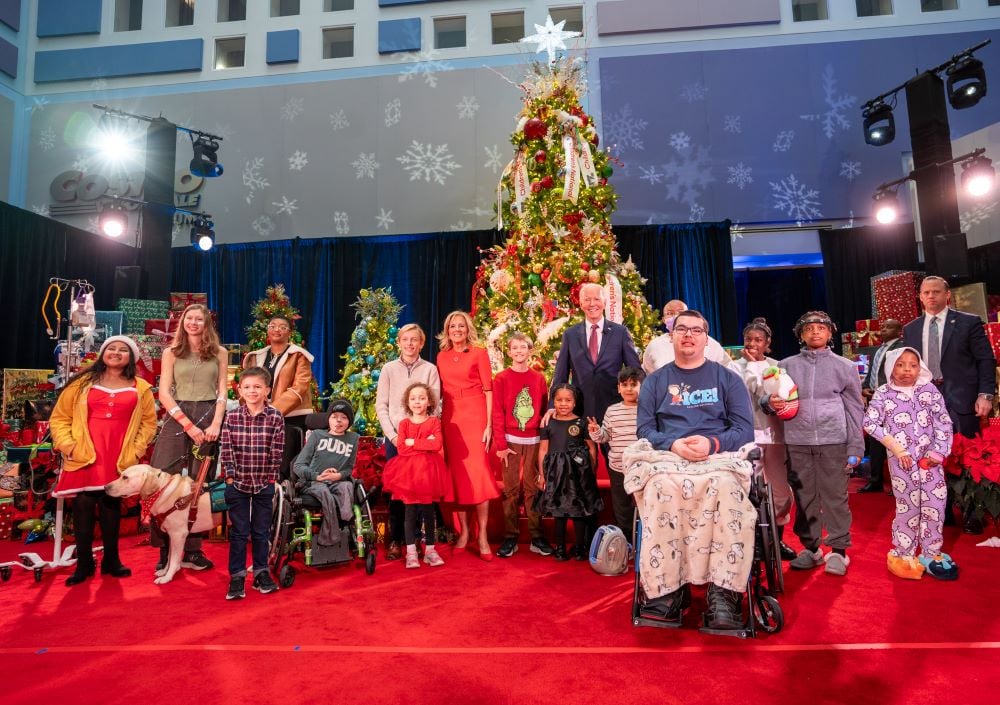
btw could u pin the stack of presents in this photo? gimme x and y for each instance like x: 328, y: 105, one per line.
x: 895, y: 294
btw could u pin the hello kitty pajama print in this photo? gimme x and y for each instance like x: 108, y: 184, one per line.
x: 920, y: 424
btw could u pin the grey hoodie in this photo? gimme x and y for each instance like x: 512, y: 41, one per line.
x: 830, y: 407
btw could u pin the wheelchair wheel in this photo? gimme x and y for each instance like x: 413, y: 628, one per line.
x: 286, y: 576
x: 767, y: 613
x: 370, y: 563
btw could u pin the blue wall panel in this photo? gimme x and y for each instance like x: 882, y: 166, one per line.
x: 10, y: 14
x: 283, y: 46
x: 59, y: 18
x: 120, y: 60
x: 399, y: 35
x: 8, y: 58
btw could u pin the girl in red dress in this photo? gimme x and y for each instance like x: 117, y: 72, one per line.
x: 418, y: 475
x: 466, y: 413
x: 101, y: 424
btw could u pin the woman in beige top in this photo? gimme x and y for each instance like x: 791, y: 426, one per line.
x: 193, y: 391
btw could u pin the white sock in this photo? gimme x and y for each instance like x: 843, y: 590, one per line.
x: 411, y: 549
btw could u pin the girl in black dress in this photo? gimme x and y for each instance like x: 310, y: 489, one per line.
x: 567, y: 459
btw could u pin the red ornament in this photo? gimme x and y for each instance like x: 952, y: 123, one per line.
x: 585, y: 266
x: 541, y: 156
x: 595, y: 140
x: 602, y: 181
x: 535, y: 129
x: 536, y: 186
x: 546, y: 182
x: 546, y: 273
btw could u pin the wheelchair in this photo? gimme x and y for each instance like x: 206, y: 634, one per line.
x: 295, y: 521
x: 761, y: 609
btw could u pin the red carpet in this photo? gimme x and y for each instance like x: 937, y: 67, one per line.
x: 524, y: 630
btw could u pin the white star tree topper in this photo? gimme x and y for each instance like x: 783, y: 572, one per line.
x: 550, y: 37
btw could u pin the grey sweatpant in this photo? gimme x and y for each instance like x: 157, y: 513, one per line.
x: 818, y: 479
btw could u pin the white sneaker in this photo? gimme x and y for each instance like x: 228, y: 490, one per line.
x: 432, y: 558
x: 836, y: 564
x: 412, y: 560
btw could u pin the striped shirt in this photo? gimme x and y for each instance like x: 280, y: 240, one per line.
x: 252, y: 447
x: 618, y: 430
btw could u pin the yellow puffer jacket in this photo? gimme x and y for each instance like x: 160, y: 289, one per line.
x: 71, y: 437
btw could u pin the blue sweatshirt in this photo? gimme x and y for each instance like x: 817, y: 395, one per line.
x: 708, y: 401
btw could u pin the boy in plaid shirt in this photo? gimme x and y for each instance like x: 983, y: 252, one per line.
x: 252, y: 443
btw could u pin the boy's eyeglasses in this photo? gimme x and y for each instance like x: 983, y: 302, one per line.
x: 684, y: 330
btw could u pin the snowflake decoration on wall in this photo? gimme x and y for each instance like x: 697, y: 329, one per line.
x: 285, y: 205
x: 81, y: 163
x: 292, y: 109
x: 650, y: 174
x: 696, y: 214
x: 693, y: 92
x: 467, y: 107
x: 979, y: 214
x: 47, y: 139
x: 623, y: 130
x: 688, y: 175
x: 428, y: 161
x: 341, y: 223
x: 262, y: 225
x: 494, y: 161
x: 393, y: 112
x: 850, y: 170
x: 384, y: 219
x: 298, y: 160
x: 680, y: 141
x: 783, y: 141
x: 833, y: 118
x: 424, y: 63
x: 41, y: 210
x: 740, y: 175
x: 796, y: 200
x: 365, y: 165
x: 461, y: 226
x: 252, y: 178
x: 338, y: 120
x: 731, y: 124
x: 37, y: 105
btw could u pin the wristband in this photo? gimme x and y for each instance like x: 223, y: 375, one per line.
x: 186, y: 426
x: 174, y: 411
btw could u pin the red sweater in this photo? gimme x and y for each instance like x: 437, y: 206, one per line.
x: 519, y: 402
x: 420, y: 433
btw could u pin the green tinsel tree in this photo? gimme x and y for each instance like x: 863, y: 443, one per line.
x: 274, y: 303
x: 373, y: 344
x: 557, y: 207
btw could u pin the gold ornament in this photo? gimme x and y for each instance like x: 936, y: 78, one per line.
x: 594, y: 275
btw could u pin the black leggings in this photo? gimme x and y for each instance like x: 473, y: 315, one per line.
x: 583, y: 527
x: 414, y: 513
x: 85, y: 511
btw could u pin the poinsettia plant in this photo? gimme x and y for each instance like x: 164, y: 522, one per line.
x: 974, y: 469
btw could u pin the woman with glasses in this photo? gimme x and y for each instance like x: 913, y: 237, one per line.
x: 290, y: 366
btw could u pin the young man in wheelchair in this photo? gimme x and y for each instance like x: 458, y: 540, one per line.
x: 690, y: 485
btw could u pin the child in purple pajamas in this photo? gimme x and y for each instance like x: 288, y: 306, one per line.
x: 908, y: 416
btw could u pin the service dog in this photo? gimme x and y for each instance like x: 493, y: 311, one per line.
x: 146, y: 481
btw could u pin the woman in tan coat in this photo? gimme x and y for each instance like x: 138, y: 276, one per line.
x: 291, y: 371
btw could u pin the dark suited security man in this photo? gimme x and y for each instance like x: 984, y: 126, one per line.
x: 890, y: 332
x: 957, y: 352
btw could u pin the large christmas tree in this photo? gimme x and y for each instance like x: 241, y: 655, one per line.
x: 556, y: 204
x: 373, y: 344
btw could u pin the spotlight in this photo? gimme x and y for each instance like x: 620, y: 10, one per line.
x: 880, y: 125
x: 966, y: 83
x: 206, y: 158
x: 113, y: 220
x: 978, y: 176
x: 113, y: 141
x: 202, y: 235
x: 886, y: 207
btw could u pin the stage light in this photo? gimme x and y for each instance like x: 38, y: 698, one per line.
x: 886, y: 207
x: 880, y: 125
x: 113, y: 220
x: 202, y: 235
x: 978, y: 176
x: 966, y: 83
x: 113, y: 141
x: 205, y: 162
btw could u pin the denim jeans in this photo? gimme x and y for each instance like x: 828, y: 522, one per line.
x: 249, y: 517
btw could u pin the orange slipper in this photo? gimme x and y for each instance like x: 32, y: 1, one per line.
x: 906, y: 567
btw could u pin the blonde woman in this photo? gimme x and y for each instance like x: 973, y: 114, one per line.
x: 466, y: 411
x: 193, y: 391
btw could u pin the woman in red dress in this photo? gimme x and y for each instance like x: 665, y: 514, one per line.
x: 102, y: 423
x: 466, y: 410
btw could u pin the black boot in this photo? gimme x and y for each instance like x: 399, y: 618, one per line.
x: 725, y: 609
x: 972, y: 524
x: 84, y: 509
x: 786, y: 551
x: 111, y: 514
x: 82, y: 573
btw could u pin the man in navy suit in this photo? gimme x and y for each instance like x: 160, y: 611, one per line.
x: 955, y: 349
x: 891, y: 333
x: 590, y: 357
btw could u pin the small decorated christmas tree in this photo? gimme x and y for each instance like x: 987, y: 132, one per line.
x: 373, y: 344
x: 557, y: 206
x: 274, y: 303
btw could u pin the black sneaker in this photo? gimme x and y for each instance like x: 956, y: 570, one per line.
x: 669, y: 607
x: 787, y: 552
x: 580, y: 553
x: 196, y: 560
x: 262, y: 582
x: 540, y: 546
x: 560, y: 554
x: 508, y: 548
x: 237, y: 587
x: 724, y: 608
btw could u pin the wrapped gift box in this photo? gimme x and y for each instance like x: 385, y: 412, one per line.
x: 6, y: 518
x: 993, y: 333
x: 151, y: 349
x: 849, y: 345
x: 868, y: 332
x: 138, y: 311
x: 180, y: 300
x: 896, y: 295
x: 971, y: 298
x: 20, y: 386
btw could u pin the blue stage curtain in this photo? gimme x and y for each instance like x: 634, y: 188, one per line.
x: 781, y: 295
x: 690, y: 261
